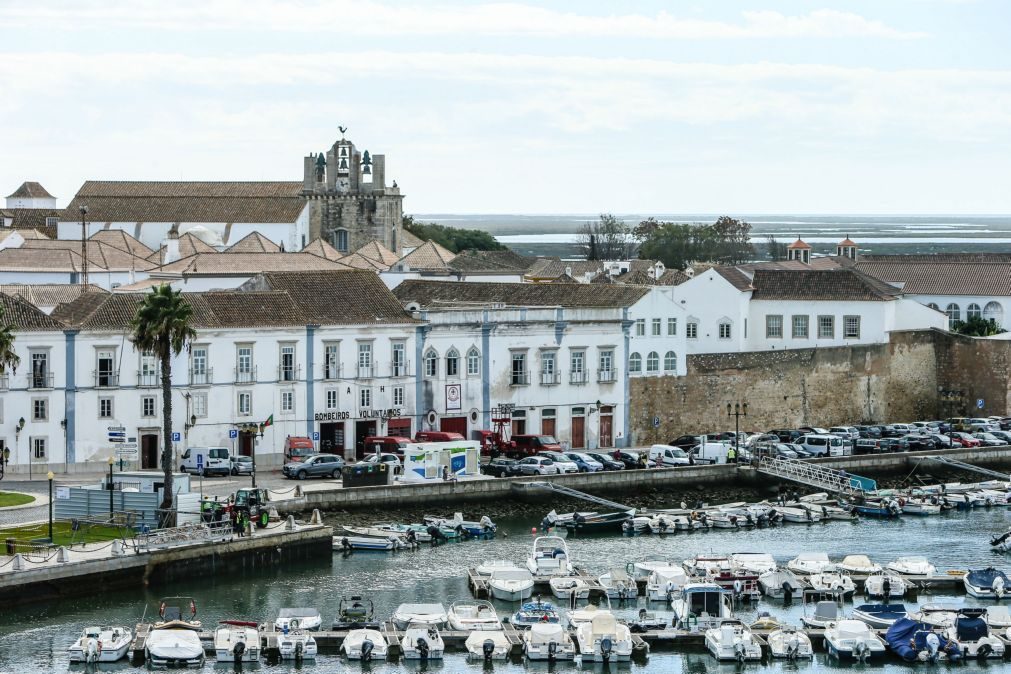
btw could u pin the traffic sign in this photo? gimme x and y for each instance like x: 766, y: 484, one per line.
x: 979, y: 403
x: 233, y: 433
x: 200, y: 461
x: 656, y: 422
x: 119, y: 429
x: 126, y: 446
x: 131, y: 454
x: 315, y: 436
x: 177, y: 437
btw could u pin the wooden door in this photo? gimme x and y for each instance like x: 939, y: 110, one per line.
x: 149, y: 451
x: 606, y: 428
x: 547, y: 426
x: 578, y: 432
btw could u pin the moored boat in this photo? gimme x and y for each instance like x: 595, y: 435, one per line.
x: 365, y: 645
x: 879, y: 616
x: 912, y: 565
x: 732, y: 640
x: 101, y: 644
x: 487, y: 646
x: 567, y: 587
x: 236, y: 641
x: 473, y: 614
x: 988, y: 583
x: 548, y: 641
x: 886, y: 585
x: 174, y: 640
x: 420, y: 615
x: 549, y: 558
x: 853, y: 640
x: 807, y: 563
x: 533, y: 613
x: 916, y: 641
x: 790, y: 643
x: 422, y: 642
x: 604, y: 639
x: 511, y: 584
x: 701, y: 606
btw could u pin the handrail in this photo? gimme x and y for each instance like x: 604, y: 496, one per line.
x: 575, y: 493
x: 805, y: 473
x: 968, y: 466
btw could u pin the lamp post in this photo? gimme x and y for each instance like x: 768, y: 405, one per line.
x: 252, y: 453
x: 50, y: 476
x: 737, y: 410
x: 112, y: 506
x: 17, y: 436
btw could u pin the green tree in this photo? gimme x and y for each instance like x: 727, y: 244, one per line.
x: 452, y: 238
x: 8, y: 358
x: 161, y: 325
x: 775, y: 248
x: 678, y: 245
x: 606, y: 239
x: 977, y: 326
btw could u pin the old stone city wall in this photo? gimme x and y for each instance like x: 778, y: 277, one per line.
x: 917, y: 375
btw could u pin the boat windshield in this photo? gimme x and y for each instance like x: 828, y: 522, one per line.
x: 710, y: 603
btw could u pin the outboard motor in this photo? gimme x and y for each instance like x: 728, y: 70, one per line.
x: 552, y: 650
x: 436, y: 534
x: 663, y: 524
x: 861, y: 651
x: 886, y: 587
x: 787, y: 592
x: 792, y: 647
x: 412, y: 538
x: 933, y: 647
x: 346, y: 544
x: 773, y: 515
x: 739, y: 651
x: 984, y: 651
x: 423, y: 648
x: 998, y: 587
x: 238, y: 649
x: 367, y: 647
x: 606, y: 646
x: 298, y: 651
x: 488, y: 649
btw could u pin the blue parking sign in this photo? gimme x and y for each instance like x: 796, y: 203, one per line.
x: 979, y: 403
x: 233, y: 433
x: 315, y: 436
x: 177, y: 437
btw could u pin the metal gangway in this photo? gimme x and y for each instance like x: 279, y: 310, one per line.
x: 818, y: 477
x: 962, y: 465
x: 575, y: 493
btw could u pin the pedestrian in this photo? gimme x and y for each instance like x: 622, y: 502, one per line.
x: 731, y: 455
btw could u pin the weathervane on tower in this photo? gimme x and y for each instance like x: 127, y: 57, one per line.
x: 343, y: 130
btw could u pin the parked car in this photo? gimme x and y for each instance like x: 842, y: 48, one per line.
x: 585, y: 462
x: 321, y: 465
x: 632, y: 460
x: 437, y: 436
x: 685, y: 441
x: 869, y: 432
x: 1003, y: 435
x: 562, y: 462
x: 668, y: 455
x: 528, y: 445
x: 501, y: 467
x: 391, y: 444
x: 982, y: 426
x: 919, y: 443
x: 798, y: 450
x: 989, y: 439
x: 776, y: 450
x: 959, y: 424
x: 242, y: 465
x: 1005, y: 423
x: 608, y: 461
x: 808, y: 430
x: 964, y: 439
x: 893, y: 445
x: 787, y: 434
x: 391, y: 460
x: 942, y: 441
x: 537, y: 465
x: 762, y: 439
x: 845, y: 432
x: 206, y: 461
x: 823, y: 444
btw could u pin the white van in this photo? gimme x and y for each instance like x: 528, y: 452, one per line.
x: 206, y: 461
x: 823, y: 445
x: 668, y: 455
x: 715, y: 452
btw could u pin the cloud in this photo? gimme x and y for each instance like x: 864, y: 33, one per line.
x: 363, y: 17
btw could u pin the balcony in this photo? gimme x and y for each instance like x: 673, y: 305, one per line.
x: 288, y: 373
x: 333, y: 372
x: 400, y: 368
x: 106, y: 379
x: 366, y: 371
x: 40, y: 380
x: 550, y: 378
x: 520, y: 379
x: 148, y: 379
x: 245, y: 375
x: 606, y: 376
x: 202, y: 377
x: 577, y: 377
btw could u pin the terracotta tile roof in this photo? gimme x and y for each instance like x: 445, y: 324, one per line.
x: 117, y: 238
x: 818, y: 262
x: 938, y: 257
x: 100, y: 255
x: 47, y: 294
x: 408, y: 240
x: 836, y: 284
x: 141, y: 286
x: 31, y: 190
x: 636, y: 277
x: 564, y: 278
x: 600, y: 278
x: 847, y: 242
x: 246, y: 264
x: 549, y: 268
x: 734, y: 276
x: 359, y: 261
x: 349, y: 297
x: 374, y: 250
x: 943, y: 278
x: 449, y: 294
x: 213, y: 202
x: 33, y: 219
x: 254, y: 242
x: 188, y: 245
x: 39, y: 260
x: 672, y: 277
x: 322, y: 249
x: 491, y: 261
x: 799, y: 244
x: 24, y: 317
x: 429, y: 256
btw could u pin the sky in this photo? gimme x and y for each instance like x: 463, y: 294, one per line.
x: 722, y: 106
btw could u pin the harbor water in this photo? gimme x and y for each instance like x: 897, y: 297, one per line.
x: 34, y: 638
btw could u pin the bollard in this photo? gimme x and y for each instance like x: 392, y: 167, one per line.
x: 117, y: 548
x: 249, y: 528
x: 62, y: 556
x: 272, y: 515
x: 18, y: 563
x: 316, y: 517
x: 298, y: 491
x: 290, y: 524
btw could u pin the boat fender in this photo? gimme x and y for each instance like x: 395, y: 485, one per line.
x: 488, y: 648
x: 738, y: 587
x: 606, y: 645
x: 367, y: 647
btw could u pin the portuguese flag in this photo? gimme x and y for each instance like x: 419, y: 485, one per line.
x: 269, y: 421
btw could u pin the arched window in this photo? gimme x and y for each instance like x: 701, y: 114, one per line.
x: 973, y: 311
x: 670, y: 361
x: 431, y: 363
x: 473, y: 362
x: 934, y: 306
x: 635, y: 363
x: 653, y: 362
x: 341, y: 240
x: 993, y: 310
x: 452, y: 363
x: 954, y: 314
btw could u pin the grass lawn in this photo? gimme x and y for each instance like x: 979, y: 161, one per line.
x: 63, y: 533
x: 9, y: 499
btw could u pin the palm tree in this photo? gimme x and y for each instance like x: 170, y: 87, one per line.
x: 161, y: 325
x: 8, y: 358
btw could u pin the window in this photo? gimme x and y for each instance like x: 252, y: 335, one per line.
x: 286, y: 371
x: 653, y: 362
x: 431, y: 363
x: 519, y: 374
x: 452, y: 363
x: 365, y: 397
x: 549, y: 367
x: 657, y: 325
x: 399, y: 359
x: 640, y: 327
x: 826, y: 327
x: 851, y: 327
x: 149, y: 374
x: 148, y: 406
x: 635, y: 362
x: 577, y: 367
x: 341, y: 240
x: 994, y: 311
x: 39, y: 448
x: 800, y: 327
x: 954, y: 314
x: 331, y: 360
x: 773, y: 327
x: 670, y: 361
x: 245, y: 403
x: 52, y: 221
x: 105, y: 373
x: 973, y: 311
x: 198, y: 405
x: 105, y: 408
x: 473, y: 362
x: 692, y: 330
x: 672, y: 326
x: 934, y: 306
x: 331, y: 398
x: 244, y: 371
x: 398, y: 396
x: 40, y: 409
x: 41, y: 377
x: 287, y: 401
x: 365, y: 359
x: 605, y: 365
x: 724, y: 330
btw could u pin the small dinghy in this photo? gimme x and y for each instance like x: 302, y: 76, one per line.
x: 604, y: 639
x: 569, y: 587
x: 511, y: 584
x: 790, y: 643
x: 921, y: 506
x: 799, y: 515
x: 483, y: 528
x: 822, y: 615
x: 422, y: 643
x: 419, y: 532
x: 365, y: 645
x: 665, y: 582
x: 548, y: 641
x: 832, y: 583
x: 858, y: 564
x: 915, y: 641
x: 703, y: 566
x: 308, y: 619
x: 988, y: 583
x: 422, y: 615
x: 174, y: 640
x: 533, y: 613
x: 780, y: 584
x: 473, y: 615
x: 355, y: 612
x: 732, y: 640
x: 974, y: 637
x: 879, y: 616
x: 236, y: 641
x: 618, y: 585
x: 487, y: 646
x: 640, y: 570
x: 650, y: 524
x: 886, y: 585
x: 755, y: 563
x: 807, y: 563
x: 913, y: 565
x: 101, y: 644
x: 647, y: 622
x: 349, y: 543
x: 549, y: 558
x: 935, y: 615
x: 853, y: 640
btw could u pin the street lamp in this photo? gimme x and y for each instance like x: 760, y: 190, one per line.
x: 18, y: 427
x: 112, y: 506
x: 737, y: 410
x: 252, y: 453
x: 50, y: 476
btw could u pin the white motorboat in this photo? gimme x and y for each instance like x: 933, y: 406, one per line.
x: 511, y: 584
x: 936, y: 615
x: 485, y: 568
x: 348, y: 543
x: 604, y: 639
x: 650, y: 524
x: 646, y: 621
x: 914, y: 565
x: 548, y: 641
x: 549, y: 557
x: 755, y: 563
x: 799, y: 515
x: 174, y: 640
x: 853, y: 640
x: 640, y: 570
x: 365, y: 645
x: 703, y: 566
x: 701, y: 606
x: 487, y: 645
x: 998, y: 617
x: 297, y: 644
x: 790, y: 643
x: 992, y: 497
x: 832, y: 583
x: 921, y: 506
x: 732, y: 640
x: 858, y: 564
x: 569, y: 586
x: 473, y: 615
x: 807, y: 563
x: 988, y: 583
x: 722, y: 520
x: 824, y: 613
x: 101, y: 644
x: 236, y: 641
x: 665, y: 582
x: 974, y: 636
x: 879, y: 616
x: 688, y: 523
x: 304, y: 618
x: 618, y: 585
x: 886, y: 585
x: 422, y: 643
x: 586, y: 614
x: 780, y: 583
x: 422, y: 615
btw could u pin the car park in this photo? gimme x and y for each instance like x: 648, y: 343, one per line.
x: 845, y: 432
x: 989, y: 439
x: 893, y: 445
x: 808, y: 430
x: 320, y: 465
x: 798, y: 450
x: 982, y: 425
x: 869, y: 432
x: 762, y: 439
x: 537, y: 465
x: 242, y: 465
x: 608, y: 461
x: 786, y: 434
x: 563, y: 463
x: 585, y: 462
x: 500, y: 467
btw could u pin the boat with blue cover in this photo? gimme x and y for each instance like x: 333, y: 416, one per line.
x: 915, y: 641
x: 988, y: 583
x: 879, y: 616
x: 974, y: 636
x: 535, y: 613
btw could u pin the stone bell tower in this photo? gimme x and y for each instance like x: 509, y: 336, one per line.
x: 350, y: 201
